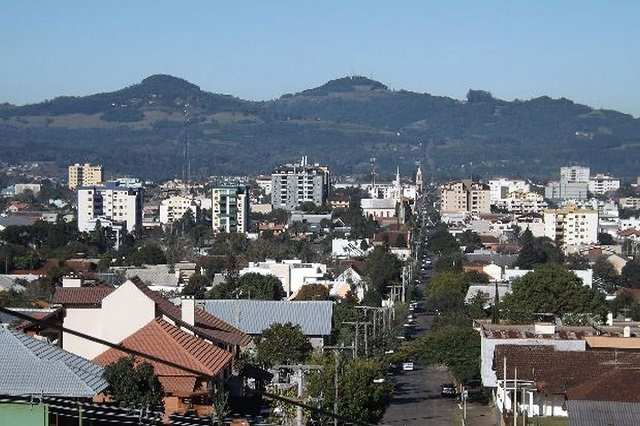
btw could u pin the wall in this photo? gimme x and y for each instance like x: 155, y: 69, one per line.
x: 24, y: 415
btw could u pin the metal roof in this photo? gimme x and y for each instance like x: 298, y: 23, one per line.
x: 255, y: 316
x: 596, y: 413
x: 32, y: 367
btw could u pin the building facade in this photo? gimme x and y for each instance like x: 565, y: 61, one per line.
x: 502, y: 187
x: 600, y: 184
x: 119, y: 204
x: 174, y: 208
x: 465, y: 196
x: 575, y: 174
x: 85, y: 175
x: 293, y: 184
x: 230, y: 208
x: 571, y: 227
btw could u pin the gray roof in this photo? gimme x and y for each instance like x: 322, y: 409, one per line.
x: 597, y: 413
x: 16, y: 221
x: 32, y: 367
x: 152, y: 275
x: 255, y: 316
x: 504, y: 260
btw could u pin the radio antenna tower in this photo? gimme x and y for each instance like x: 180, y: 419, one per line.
x: 186, y: 165
x: 373, y: 170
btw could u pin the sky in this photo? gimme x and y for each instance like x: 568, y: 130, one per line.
x: 587, y: 51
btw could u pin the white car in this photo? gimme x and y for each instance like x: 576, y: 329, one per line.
x: 407, y: 366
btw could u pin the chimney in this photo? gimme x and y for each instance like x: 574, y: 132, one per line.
x: 72, y: 280
x: 544, y: 328
x: 189, y: 309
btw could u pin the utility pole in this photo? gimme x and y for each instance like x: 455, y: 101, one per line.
x: 357, y: 325
x: 336, y: 353
x: 300, y: 369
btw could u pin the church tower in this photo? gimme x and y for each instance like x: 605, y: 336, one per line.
x: 419, y: 184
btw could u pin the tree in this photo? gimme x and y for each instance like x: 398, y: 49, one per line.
x: 630, y: 276
x: 197, y: 286
x: 313, y: 292
x: 261, y: 287
x: 446, y: 291
x: 576, y: 261
x: 536, y: 251
x: 605, y: 275
x: 554, y: 290
x: 134, y: 384
x: 361, y: 395
x: 283, y: 344
x: 606, y: 239
x: 382, y: 268
x: 457, y: 347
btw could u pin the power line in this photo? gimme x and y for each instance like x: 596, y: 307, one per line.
x: 171, y: 364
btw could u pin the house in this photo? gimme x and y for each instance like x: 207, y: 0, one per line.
x: 255, y: 316
x: 134, y: 316
x: 545, y: 374
x: 184, y: 390
x: 349, y: 279
x: 611, y: 398
x: 41, y: 381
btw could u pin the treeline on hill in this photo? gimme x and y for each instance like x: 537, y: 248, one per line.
x: 343, y: 123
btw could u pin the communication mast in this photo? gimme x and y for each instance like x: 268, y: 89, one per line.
x: 186, y: 160
x: 372, y: 160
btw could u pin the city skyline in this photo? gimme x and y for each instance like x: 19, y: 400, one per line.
x: 585, y: 51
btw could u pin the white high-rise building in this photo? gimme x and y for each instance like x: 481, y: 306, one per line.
x: 600, y: 184
x: 293, y: 184
x: 502, y: 187
x: 571, y: 227
x: 575, y: 174
x: 230, y: 208
x: 117, y: 203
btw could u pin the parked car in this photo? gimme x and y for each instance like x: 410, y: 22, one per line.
x: 448, y: 390
x: 407, y: 366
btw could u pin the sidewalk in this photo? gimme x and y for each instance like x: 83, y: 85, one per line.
x: 478, y: 415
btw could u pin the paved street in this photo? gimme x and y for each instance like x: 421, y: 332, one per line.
x: 418, y: 401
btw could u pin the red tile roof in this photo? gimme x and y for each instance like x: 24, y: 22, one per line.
x: 558, y: 371
x: 166, y: 341
x: 81, y: 296
x: 620, y: 385
x: 205, y: 324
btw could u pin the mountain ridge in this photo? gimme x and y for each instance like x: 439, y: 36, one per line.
x: 344, y: 123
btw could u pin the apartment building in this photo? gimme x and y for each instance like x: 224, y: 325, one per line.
x: 174, y: 208
x: 293, y: 184
x: 601, y: 183
x: 465, y: 196
x: 522, y: 202
x: 230, y: 208
x: 501, y: 188
x: 571, y: 226
x: 85, y: 175
x: 575, y: 174
x: 111, y: 200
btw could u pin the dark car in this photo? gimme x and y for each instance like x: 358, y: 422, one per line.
x: 448, y: 390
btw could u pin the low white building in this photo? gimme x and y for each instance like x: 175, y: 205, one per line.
x: 293, y: 273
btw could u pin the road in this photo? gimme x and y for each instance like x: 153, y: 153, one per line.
x: 417, y: 400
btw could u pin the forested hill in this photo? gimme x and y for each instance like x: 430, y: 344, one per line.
x: 140, y: 130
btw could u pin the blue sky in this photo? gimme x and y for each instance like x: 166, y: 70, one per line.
x: 587, y: 51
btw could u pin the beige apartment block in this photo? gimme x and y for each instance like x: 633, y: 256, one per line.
x: 465, y: 195
x: 85, y: 175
